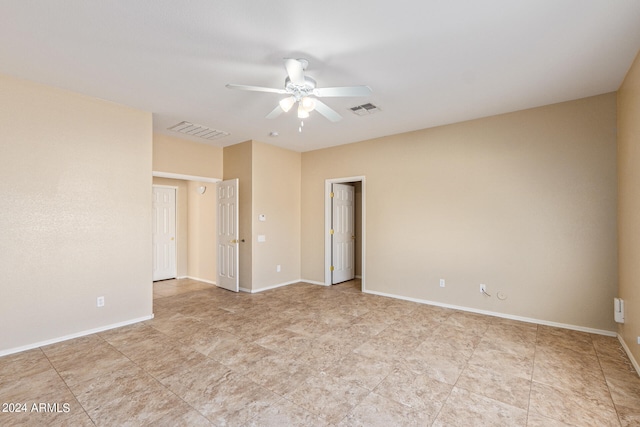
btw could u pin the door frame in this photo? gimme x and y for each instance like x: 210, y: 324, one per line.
x: 180, y: 177
x: 175, y: 225
x: 327, y: 226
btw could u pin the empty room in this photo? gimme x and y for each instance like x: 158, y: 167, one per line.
x: 320, y: 214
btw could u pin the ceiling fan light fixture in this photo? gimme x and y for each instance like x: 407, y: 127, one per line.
x: 302, y: 113
x: 287, y: 103
x: 308, y: 104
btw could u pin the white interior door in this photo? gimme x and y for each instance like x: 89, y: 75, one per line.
x: 227, y: 212
x: 343, y: 237
x: 164, y: 233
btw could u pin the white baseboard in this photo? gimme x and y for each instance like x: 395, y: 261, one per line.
x: 634, y: 362
x: 313, y: 282
x: 279, y: 285
x: 200, y: 280
x: 75, y: 335
x: 496, y: 314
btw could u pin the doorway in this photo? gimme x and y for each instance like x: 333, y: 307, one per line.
x: 358, y: 183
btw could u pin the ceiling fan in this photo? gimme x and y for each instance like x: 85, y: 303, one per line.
x: 302, y: 89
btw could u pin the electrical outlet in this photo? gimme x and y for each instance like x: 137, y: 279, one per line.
x: 483, y: 288
x: 278, y: 268
x: 442, y: 283
x: 638, y: 340
x: 100, y: 302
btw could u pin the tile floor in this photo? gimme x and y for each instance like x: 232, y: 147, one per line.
x: 307, y: 355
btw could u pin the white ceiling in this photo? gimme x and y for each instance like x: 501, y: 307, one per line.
x: 429, y: 62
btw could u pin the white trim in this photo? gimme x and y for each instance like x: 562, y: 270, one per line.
x: 72, y: 336
x: 313, y: 282
x: 247, y: 290
x: 327, y: 227
x: 199, y: 280
x: 279, y: 285
x: 496, y: 314
x: 171, y: 175
x: 631, y: 358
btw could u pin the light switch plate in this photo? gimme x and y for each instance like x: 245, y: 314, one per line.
x: 262, y: 238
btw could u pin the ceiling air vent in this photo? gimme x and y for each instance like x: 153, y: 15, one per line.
x: 365, y: 109
x: 199, y: 131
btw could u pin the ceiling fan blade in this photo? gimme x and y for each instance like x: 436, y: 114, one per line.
x: 256, y: 88
x: 295, y: 71
x: 327, y: 111
x: 275, y: 113
x: 343, y: 91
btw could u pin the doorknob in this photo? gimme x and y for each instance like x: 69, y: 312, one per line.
x: 234, y: 241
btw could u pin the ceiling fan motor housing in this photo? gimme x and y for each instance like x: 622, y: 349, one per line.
x: 300, y: 91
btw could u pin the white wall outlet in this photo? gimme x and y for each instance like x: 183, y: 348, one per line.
x: 483, y: 288
x: 100, y: 302
x: 638, y: 340
x: 262, y: 238
x: 278, y: 268
x: 442, y: 283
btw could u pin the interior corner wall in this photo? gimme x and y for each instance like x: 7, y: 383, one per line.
x: 276, y: 195
x: 629, y: 206
x: 523, y: 202
x: 238, y: 164
x: 75, y: 213
x: 182, y: 231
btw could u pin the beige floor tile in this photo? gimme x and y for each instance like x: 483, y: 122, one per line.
x: 435, y: 365
x: 628, y: 416
x: 418, y: 392
x: 625, y: 392
x: 328, y: 397
x: 280, y: 375
x: 571, y: 407
x: 516, y: 365
x: 377, y: 411
x: 361, y: 370
x: 286, y: 413
x: 511, y: 390
x: 96, y: 359
x: 22, y: 365
x: 315, y: 355
x: 465, y: 408
x: 537, y: 420
x: 126, y: 396
x: 231, y: 400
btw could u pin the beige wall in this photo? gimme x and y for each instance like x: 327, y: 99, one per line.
x: 276, y: 194
x: 523, y: 202
x: 629, y: 205
x: 182, y: 231
x: 182, y: 156
x: 237, y: 164
x: 202, y: 232
x: 75, y: 213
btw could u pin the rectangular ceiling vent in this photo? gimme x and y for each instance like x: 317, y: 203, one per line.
x: 199, y: 131
x: 365, y: 109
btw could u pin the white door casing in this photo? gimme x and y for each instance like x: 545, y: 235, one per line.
x: 343, y: 237
x: 227, y: 235
x: 164, y: 233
